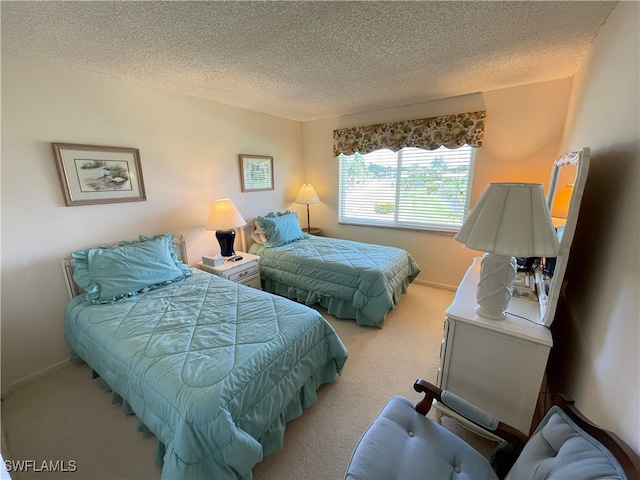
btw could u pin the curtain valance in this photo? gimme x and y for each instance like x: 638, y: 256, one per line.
x: 452, y: 131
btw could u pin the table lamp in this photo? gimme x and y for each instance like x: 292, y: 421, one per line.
x: 224, y: 217
x: 307, y: 195
x: 510, y: 220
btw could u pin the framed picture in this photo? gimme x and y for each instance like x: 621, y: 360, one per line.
x: 256, y: 172
x: 91, y: 174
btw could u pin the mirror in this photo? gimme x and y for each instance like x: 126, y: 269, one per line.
x: 568, y: 178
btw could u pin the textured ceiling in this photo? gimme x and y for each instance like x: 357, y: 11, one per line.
x: 307, y: 60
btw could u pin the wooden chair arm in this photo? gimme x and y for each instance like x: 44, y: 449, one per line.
x: 431, y: 393
x: 503, y: 430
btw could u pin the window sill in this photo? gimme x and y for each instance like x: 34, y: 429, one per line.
x: 430, y: 231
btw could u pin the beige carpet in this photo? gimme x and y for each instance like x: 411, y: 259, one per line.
x: 68, y: 417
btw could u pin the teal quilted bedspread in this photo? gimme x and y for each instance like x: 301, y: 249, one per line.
x: 213, y: 368
x: 351, y: 279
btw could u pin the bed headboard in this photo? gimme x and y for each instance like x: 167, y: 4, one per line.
x: 245, y: 233
x: 67, y: 266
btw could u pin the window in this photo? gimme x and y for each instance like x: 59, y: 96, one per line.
x: 411, y: 188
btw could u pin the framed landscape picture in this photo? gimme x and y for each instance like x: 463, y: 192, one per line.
x: 256, y: 172
x: 91, y: 174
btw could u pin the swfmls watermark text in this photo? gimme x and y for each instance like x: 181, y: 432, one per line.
x: 41, y: 466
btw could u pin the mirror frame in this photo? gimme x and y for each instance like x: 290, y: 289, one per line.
x: 549, y: 300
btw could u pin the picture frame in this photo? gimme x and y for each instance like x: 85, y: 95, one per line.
x: 93, y: 174
x: 256, y: 172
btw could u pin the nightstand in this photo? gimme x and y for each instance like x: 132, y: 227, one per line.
x: 245, y: 271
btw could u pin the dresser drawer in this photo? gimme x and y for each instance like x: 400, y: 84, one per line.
x: 249, y: 270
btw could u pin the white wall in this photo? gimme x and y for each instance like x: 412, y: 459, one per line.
x: 601, y: 323
x: 189, y: 152
x: 523, y: 130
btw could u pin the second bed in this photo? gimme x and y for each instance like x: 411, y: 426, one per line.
x: 350, y: 279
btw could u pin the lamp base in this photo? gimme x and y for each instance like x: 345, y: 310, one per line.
x: 496, y: 285
x: 226, y: 239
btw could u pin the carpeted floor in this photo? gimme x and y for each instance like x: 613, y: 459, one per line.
x: 67, y: 416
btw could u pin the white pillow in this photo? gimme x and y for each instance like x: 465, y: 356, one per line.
x: 257, y: 234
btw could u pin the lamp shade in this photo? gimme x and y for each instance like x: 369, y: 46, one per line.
x: 307, y: 194
x: 511, y: 219
x: 224, y: 215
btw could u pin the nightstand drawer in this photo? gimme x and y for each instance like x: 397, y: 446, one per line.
x: 253, y: 282
x: 249, y: 271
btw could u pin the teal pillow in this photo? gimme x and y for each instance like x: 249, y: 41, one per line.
x: 265, y: 225
x: 280, y: 228
x: 107, y: 274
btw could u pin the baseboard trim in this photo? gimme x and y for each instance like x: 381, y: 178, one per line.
x: 443, y: 286
x: 34, y: 377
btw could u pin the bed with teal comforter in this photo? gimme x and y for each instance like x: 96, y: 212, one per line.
x: 213, y: 368
x: 350, y: 279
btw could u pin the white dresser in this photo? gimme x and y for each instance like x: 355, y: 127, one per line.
x: 498, y: 365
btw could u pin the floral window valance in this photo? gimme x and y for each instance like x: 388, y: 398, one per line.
x: 452, y: 131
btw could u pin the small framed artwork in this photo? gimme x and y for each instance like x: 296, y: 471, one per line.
x: 256, y: 172
x: 91, y: 174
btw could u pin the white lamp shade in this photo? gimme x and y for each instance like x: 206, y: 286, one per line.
x: 224, y: 215
x: 511, y: 219
x: 307, y: 194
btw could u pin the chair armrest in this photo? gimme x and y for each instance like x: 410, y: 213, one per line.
x: 467, y: 410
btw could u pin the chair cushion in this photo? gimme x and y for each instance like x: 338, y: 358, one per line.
x: 559, y: 449
x: 402, y: 444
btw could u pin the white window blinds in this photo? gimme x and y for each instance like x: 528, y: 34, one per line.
x: 410, y: 188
